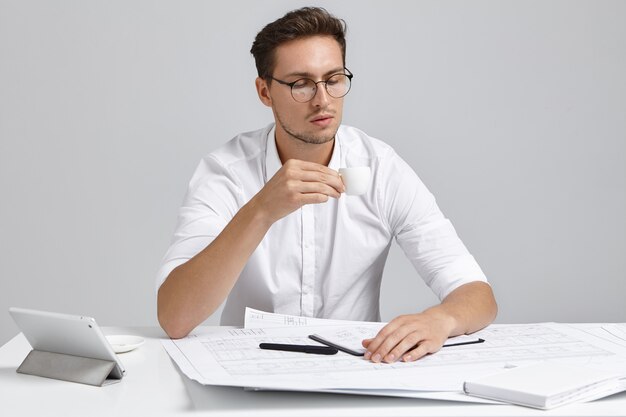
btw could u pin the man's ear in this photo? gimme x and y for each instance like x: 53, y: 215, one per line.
x: 263, y: 91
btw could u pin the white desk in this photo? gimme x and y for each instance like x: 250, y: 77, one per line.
x: 153, y: 386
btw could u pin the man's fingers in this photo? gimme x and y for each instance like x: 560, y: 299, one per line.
x: 420, y: 351
x: 304, y: 188
x: 332, y: 180
x: 298, y: 183
x: 314, y: 198
x: 386, y: 339
x: 408, y: 343
x: 312, y: 172
x: 396, y: 345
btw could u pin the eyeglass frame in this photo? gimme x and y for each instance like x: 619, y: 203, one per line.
x: 350, y: 75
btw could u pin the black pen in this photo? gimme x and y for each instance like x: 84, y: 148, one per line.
x: 318, y: 350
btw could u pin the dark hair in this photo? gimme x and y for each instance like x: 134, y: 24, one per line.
x: 300, y: 23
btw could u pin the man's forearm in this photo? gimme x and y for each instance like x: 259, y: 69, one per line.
x: 195, y: 289
x: 468, y: 308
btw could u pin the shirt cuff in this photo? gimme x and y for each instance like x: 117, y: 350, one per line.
x: 462, y: 271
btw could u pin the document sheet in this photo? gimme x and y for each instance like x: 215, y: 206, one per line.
x: 232, y: 357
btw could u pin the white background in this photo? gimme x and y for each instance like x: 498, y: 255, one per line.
x: 513, y: 114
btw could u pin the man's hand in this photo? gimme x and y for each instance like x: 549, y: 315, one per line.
x: 295, y: 184
x: 409, y: 337
x: 465, y: 310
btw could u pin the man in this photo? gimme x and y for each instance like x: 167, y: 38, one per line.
x: 264, y: 223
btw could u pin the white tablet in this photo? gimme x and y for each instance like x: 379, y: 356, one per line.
x: 67, y: 334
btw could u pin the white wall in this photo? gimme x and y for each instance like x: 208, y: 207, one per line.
x: 513, y: 113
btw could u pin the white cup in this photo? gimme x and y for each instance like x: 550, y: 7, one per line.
x: 356, y: 179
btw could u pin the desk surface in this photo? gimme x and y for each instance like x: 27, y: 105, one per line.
x: 154, y: 386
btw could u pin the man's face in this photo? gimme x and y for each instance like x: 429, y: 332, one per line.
x: 316, y: 121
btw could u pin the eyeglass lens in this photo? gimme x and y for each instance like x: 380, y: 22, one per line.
x: 337, y: 86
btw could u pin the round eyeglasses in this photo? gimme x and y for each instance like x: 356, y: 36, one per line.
x: 304, y: 89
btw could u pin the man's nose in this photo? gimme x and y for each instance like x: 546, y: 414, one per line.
x: 321, y: 97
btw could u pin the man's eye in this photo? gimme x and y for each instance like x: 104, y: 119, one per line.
x: 301, y: 84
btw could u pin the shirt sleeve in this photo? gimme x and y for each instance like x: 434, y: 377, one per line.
x: 211, y: 201
x: 427, y: 238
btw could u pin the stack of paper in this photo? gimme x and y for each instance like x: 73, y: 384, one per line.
x: 232, y: 356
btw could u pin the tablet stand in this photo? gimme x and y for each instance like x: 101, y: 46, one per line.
x: 68, y: 368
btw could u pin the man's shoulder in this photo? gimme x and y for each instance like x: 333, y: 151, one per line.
x: 241, y: 155
x: 243, y: 147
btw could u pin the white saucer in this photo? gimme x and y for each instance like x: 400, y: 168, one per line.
x: 124, y: 343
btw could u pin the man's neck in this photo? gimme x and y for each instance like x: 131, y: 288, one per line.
x: 290, y: 148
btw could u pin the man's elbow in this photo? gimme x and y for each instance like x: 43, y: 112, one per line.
x: 173, y: 327
x: 490, y: 301
x: 175, y: 333
x: 171, y: 321
x: 493, y: 310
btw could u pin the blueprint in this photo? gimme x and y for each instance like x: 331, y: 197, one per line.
x: 230, y: 356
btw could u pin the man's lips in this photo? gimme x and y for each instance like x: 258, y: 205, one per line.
x: 323, y: 120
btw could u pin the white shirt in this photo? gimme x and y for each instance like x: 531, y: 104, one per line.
x: 323, y: 260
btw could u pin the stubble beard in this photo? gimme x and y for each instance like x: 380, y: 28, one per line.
x: 303, y: 137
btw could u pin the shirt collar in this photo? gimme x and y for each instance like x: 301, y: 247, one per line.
x: 272, y: 160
